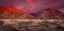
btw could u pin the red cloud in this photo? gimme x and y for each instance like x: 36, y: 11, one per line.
x: 35, y: 4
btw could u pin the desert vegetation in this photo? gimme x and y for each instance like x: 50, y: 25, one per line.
x: 17, y: 25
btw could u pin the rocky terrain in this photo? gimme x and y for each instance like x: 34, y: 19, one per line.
x: 52, y: 14
x: 13, y: 19
x: 10, y: 12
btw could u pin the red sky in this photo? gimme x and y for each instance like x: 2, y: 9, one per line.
x: 34, y: 5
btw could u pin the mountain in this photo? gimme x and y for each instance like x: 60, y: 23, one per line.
x: 52, y: 14
x: 10, y: 12
x: 10, y: 8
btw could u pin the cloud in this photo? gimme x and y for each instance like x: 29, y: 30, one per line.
x: 33, y: 5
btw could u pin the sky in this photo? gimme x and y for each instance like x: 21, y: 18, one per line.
x: 34, y: 5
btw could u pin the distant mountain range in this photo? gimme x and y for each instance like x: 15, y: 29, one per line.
x: 10, y: 12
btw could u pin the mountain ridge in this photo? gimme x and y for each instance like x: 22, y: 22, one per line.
x: 52, y: 14
x: 12, y: 12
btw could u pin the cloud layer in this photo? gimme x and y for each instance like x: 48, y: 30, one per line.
x: 33, y: 5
